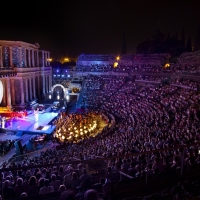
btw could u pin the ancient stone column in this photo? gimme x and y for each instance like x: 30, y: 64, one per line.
x: 33, y: 58
x: 29, y: 58
x: 46, y: 59
x: 1, y: 57
x: 25, y: 61
x: 42, y: 58
x: 20, y: 56
x: 4, y: 91
x: 22, y: 93
x: 34, y: 89
x: 8, y: 92
x: 43, y: 84
x: 13, y: 91
x: 30, y: 89
x: 38, y: 87
x: 11, y: 61
x: 26, y: 86
x: 49, y: 58
x: 46, y: 84
x: 37, y: 58
x: 50, y: 82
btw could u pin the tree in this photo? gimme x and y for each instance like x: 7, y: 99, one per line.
x: 160, y: 44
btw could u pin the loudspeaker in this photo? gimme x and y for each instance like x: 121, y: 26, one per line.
x: 19, y: 148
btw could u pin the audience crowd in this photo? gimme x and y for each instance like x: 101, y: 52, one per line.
x: 161, y: 119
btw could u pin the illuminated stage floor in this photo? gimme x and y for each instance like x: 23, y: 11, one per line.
x: 31, y: 126
x: 37, y: 123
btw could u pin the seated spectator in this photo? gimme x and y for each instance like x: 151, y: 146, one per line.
x: 8, y: 190
x: 91, y: 195
x: 61, y: 173
x: 107, y: 188
x: 32, y: 187
x: 68, y: 195
x: 67, y: 177
x: 61, y: 188
x: 86, y: 178
x: 132, y: 170
x: 55, y: 183
x: 23, y: 194
x: 19, y: 187
x: 75, y: 181
x: 47, y: 188
x: 98, y: 186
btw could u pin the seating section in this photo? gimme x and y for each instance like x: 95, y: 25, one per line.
x: 152, y: 135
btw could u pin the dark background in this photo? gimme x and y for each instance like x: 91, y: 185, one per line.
x: 72, y: 27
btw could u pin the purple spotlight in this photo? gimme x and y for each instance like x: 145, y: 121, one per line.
x: 66, y: 71
x: 57, y: 70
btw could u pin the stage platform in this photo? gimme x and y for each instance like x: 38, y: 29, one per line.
x: 37, y: 123
x: 23, y: 129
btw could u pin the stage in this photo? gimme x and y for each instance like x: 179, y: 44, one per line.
x: 36, y: 123
x: 23, y: 129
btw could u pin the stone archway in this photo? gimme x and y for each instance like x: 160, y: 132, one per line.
x: 63, y: 88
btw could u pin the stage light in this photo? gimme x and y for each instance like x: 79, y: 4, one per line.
x: 67, y: 98
x: 118, y: 58
x: 115, y: 64
x: 49, y: 59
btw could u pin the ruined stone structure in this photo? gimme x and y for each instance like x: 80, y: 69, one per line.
x: 33, y: 74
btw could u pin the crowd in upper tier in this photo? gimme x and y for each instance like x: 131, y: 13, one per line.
x: 141, y: 117
x: 193, y: 69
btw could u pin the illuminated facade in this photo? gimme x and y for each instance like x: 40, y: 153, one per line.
x: 32, y: 73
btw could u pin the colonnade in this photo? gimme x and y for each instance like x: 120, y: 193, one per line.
x: 27, y: 57
x: 33, y: 79
x: 19, y: 91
